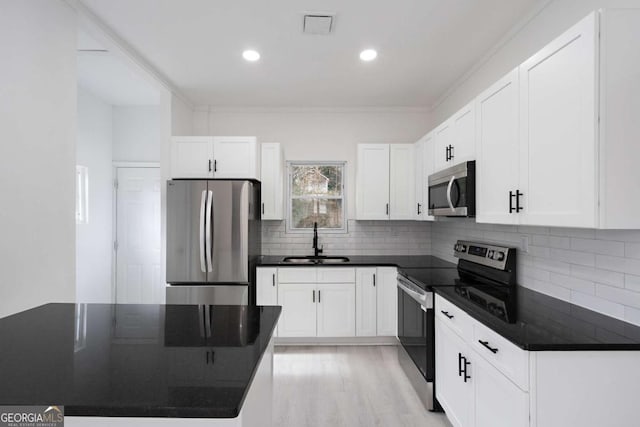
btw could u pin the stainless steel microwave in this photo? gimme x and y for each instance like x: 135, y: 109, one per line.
x: 452, y: 191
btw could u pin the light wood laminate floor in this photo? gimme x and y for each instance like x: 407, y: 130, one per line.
x: 345, y: 386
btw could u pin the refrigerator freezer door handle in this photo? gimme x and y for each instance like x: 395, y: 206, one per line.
x: 202, y: 203
x: 209, y: 220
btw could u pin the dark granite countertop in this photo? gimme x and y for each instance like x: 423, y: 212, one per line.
x: 400, y: 261
x: 546, y: 323
x: 133, y: 360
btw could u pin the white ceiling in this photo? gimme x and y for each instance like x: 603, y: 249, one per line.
x: 109, y: 78
x: 424, y: 46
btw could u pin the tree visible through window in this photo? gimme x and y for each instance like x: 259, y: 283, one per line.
x: 316, y: 195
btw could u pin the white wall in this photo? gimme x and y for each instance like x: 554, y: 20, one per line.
x: 592, y: 268
x: 136, y: 133
x: 94, y: 239
x: 37, y: 154
x: 181, y: 115
x: 319, y: 134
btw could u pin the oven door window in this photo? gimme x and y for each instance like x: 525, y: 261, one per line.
x: 412, y: 331
x: 438, y: 194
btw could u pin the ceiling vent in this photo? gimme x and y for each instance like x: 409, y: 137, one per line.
x: 318, y: 23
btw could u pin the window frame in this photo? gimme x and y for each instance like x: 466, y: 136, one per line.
x: 289, y: 194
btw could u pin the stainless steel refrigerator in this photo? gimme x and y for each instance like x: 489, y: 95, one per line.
x: 213, y: 241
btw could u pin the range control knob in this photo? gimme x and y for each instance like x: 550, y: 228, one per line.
x: 499, y: 256
x: 490, y: 254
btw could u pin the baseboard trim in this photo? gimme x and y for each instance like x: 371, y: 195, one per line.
x: 278, y: 341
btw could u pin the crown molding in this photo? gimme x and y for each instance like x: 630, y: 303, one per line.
x: 307, y: 110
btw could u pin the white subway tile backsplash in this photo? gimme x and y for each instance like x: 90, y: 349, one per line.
x: 604, y: 247
x: 622, y: 296
x: 573, y: 257
x: 574, y: 283
x: 607, y: 277
x: 598, y: 304
x: 597, y: 269
x: 362, y: 238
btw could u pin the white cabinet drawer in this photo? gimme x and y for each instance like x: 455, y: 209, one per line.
x: 297, y: 275
x: 336, y: 275
x: 454, y: 317
x: 508, y: 358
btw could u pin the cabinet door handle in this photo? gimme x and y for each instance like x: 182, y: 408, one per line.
x: 273, y: 279
x: 511, y: 196
x: 487, y: 346
x: 446, y: 154
x: 374, y: 280
x: 209, y: 165
x: 518, y: 207
x: 387, y: 208
x: 263, y: 209
x: 211, y: 355
x: 466, y: 364
x: 419, y: 206
x: 318, y: 297
x: 314, y: 296
x: 459, y: 364
x: 451, y: 152
x: 215, y: 166
x: 446, y: 313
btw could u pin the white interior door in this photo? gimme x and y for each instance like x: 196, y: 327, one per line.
x: 138, y: 234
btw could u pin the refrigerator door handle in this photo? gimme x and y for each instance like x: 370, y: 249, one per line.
x: 209, y: 220
x: 202, y: 260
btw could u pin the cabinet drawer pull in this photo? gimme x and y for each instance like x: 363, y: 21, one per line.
x: 374, y: 280
x: 487, y: 346
x: 446, y: 313
x: 273, y: 279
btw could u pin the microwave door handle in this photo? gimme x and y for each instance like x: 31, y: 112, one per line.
x: 209, y: 218
x: 202, y: 204
x: 453, y: 178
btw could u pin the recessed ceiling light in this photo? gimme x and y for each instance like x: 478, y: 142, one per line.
x: 368, y: 55
x: 251, y: 55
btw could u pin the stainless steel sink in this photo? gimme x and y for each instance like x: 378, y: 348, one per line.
x: 315, y: 260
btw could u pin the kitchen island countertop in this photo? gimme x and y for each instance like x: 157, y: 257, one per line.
x: 104, y: 360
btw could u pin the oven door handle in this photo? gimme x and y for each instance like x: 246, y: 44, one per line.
x: 451, y: 181
x: 422, y: 299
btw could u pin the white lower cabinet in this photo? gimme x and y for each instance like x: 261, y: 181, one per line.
x: 454, y: 394
x: 336, y: 310
x: 387, y: 301
x: 498, y: 402
x: 298, y: 301
x: 366, y: 302
x: 469, y: 386
x: 331, y: 301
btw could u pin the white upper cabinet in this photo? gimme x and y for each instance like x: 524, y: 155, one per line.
x: 497, y: 151
x: 428, y: 165
x: 385, y: 182
x: 272, y: 177
x: 401, y: 181
x: 372, y: 189
x: 192, y: 157
x: 463, y: 147
x: 455, y: 138
x: 574, y: 164
x: 443, y: 141
x: 235, y: 157
x: 214, y: 157
x: 558, y: 87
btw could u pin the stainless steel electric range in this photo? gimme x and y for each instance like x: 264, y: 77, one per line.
x: 485, y: 275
